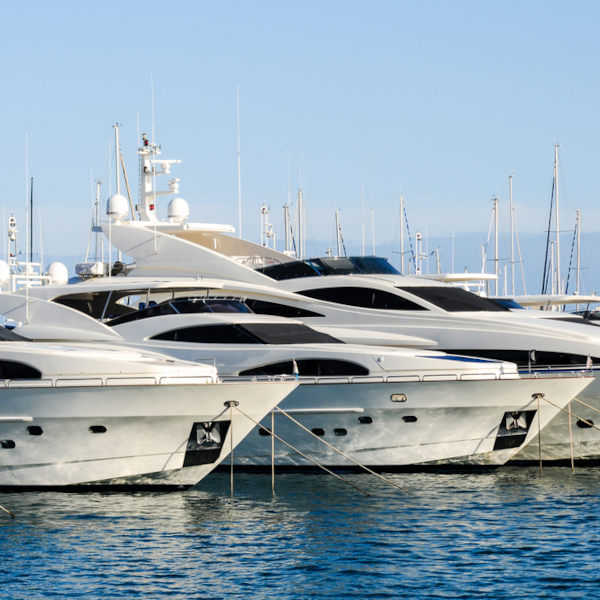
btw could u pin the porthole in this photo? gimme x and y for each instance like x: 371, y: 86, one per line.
x: 34, y: 430
x: 262, y: 431
x: 97, y: 429
x: 583, y: 425
x: 365, y: 420
x: 398, y: 398
x: 409, y: 419
x: 318, y: 431
x: 340, y: 432
x: 7, y: 444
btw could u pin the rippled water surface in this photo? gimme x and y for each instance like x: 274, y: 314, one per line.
x: 504, y: 534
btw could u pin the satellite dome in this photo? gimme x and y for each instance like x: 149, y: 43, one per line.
x: 178, y: 210
x: 4, y: 272
x: 117, y: 207
x: 58, y: 273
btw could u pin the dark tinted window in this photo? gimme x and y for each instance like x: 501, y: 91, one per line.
x: 363, y: 298
x: 260, y: 307
x: 209, y: 334
x: 310, y: 368
x: 453, y: 299
x: 289, y: 270
x: 16, y: 370
x: 353, y: 265
x: 521, y: 357
x: 294, y: 333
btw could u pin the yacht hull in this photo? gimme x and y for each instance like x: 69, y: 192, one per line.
x: 145, y: 435
x: 440, y: 424
x: 556, y: 445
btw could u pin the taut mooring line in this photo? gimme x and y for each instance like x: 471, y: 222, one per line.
x: 340, y: 452
x: 7, y: 511
x: 302, y: 454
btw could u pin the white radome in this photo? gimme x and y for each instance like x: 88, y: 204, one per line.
x: 178, y: 210
x: 58, y: 272
x: 117, y: 207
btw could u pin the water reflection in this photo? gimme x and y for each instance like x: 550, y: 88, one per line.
x: 495, y: 534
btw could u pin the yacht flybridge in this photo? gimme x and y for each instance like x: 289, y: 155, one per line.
x: 354, y: 299
x: 385, y: 407
x: 108, y: 417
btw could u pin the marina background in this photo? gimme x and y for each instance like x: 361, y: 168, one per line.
x: 439, y: 102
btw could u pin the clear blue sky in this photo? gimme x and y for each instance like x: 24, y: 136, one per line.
x: 445, y: 99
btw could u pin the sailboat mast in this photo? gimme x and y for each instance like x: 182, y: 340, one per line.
x: 337, y: 232
x: 578, y: 247
x: 558, y: 281
x: 512, y: 238
x: 31, y: 222
x: 496, y: 244
x: 401, y: 235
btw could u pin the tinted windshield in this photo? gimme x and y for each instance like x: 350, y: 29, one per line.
x: 342, y: 265
x: 453, y: 299
x: 248, y: 333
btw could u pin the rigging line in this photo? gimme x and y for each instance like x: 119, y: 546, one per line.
x: 571, y: 258
x: 412, y: 251
x: 546, y: 274
x: 519, y: 251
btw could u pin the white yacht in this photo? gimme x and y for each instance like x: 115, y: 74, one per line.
x: 107, y: 417
x: 357, y: 300
x: 385, y: 407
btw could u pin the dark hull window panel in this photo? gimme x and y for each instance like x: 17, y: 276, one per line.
x: 34, y: 430
x: 365, y: 420
x: 99, y: 305
x: 363, y: 298
x: 342, y: 265
x: 541, y: 359
x: 289, y: 270
x: 310, y: 368
x: 183, y: 306
x: 580, y: 320
x: 583, y: 425
x: 205, y: 443
x: 7, y: 444
x: 6, y: 335
x: 513, y: 429
x: 340, y: 432
x: 409, y: 419
x: 209, y: 334
x: 453, y: 299
x: 15, y: 370
x: 264, y: 432
x: 282, y: 333
x: 97, y: 429
x: 318, y: 431
x: 261, y: 307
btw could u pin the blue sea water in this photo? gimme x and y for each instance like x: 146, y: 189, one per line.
x: 504, y: 534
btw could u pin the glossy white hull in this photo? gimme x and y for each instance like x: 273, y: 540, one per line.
x: 556, y: 444
x: 146, y: 438
x: 457, y: 422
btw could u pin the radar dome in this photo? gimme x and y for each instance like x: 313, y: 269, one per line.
x: 58, y: 272
x: 178, y: 210
x: 4, y: 272
x: 117, y: 207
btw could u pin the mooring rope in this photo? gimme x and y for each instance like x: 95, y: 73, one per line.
x: 588, y: 423
x: 303, y: 455
x: 340, y: 452
x: 7, y: 511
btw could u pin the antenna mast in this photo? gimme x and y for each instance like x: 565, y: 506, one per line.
x: 558, y: 282
x: 512, y: 237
